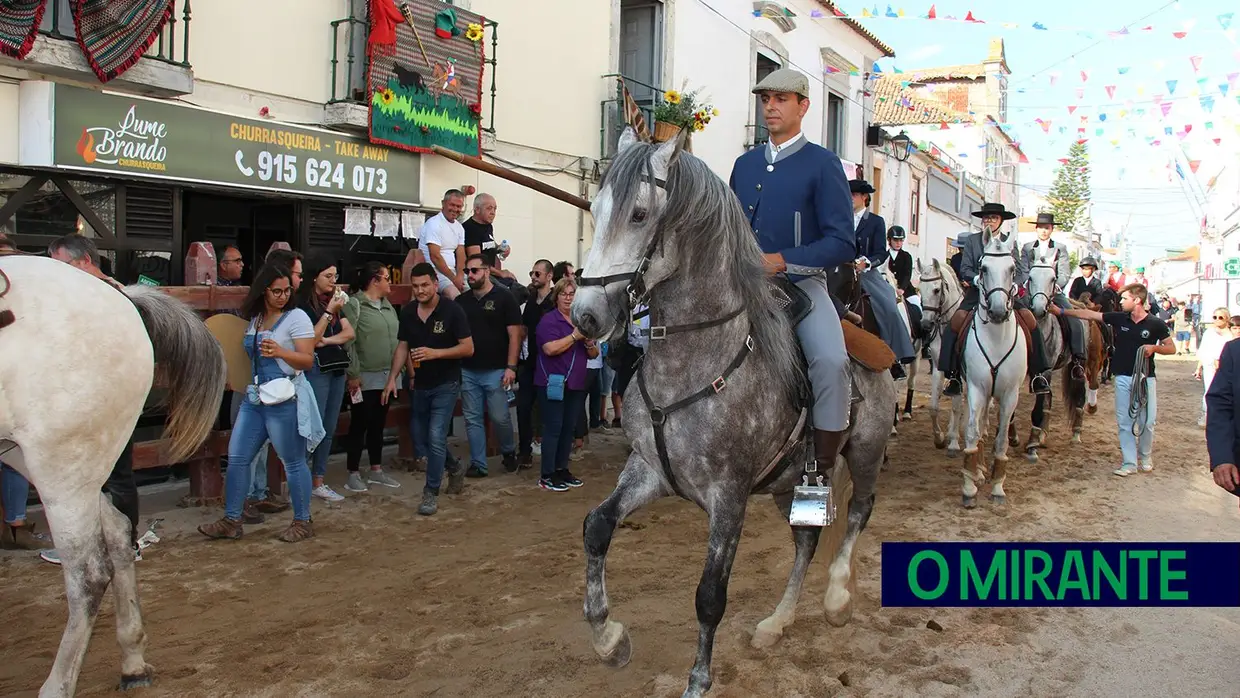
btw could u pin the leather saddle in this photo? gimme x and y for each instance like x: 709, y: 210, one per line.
x: 963, y: 320
x: 865, y: 348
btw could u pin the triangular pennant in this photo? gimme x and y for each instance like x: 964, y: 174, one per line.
x: 1171, y: 86
x: 1166, y: 108
x: 900, y: 13
x: 864, y: 13
x: 1188, y: 128
x: 1071, y: 108
x: 1039, y: 26
x: 1224, y: 20
x: 1179, y: 35
x: 1217, y: 141
x: 1207, y: 103
x: 891, y: 12
x: 1193, y: 165
x: 1123, y: 71
x: 1110, y: 91
x: 931, y: 15
x: 1102, y: 116
x: 1196, y: 61
x: 1222, y: 88
x: 1084, y: 75
x: 1080, y: 93
x: 970, y: 18
x: 942, y: 125
x: 1231, y: 78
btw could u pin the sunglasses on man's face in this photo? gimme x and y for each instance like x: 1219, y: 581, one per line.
x: 473, y: 270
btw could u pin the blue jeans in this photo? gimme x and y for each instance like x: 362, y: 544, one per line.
x: 14, y: 493
x: 559, y: 418
x: 258, y: 466
x: 485, y: 390
x: 255, y: 425
x: 432, y: 413
x: 329, y: 391
x: 1128, y: 444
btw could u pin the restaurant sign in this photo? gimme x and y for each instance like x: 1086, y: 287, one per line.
x: 135, y: 136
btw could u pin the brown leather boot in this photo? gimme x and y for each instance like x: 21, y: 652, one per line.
x: 827, y: 445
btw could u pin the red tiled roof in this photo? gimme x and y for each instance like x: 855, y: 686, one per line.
x: 972, y: 71
x: 895, y: 105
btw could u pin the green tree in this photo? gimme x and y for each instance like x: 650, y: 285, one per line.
x: 1069, y: 195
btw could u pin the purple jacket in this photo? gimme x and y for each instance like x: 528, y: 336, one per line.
x: 551, y: 327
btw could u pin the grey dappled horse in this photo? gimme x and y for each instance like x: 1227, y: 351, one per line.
x: 727, y: 381
x: 76, y: 366
x: 1042, y: 287
x: 941, y: 295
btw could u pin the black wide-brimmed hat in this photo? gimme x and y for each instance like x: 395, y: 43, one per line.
x: 1045, y: 218
x: 895, y: 233
x: 860, y: 186
x: 994, y: 209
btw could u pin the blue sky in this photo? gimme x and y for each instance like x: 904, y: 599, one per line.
x: 1130, y: 179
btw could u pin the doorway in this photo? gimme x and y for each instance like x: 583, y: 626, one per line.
x: 250, y: 225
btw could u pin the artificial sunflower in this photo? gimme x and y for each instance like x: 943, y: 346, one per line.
x: 473, y: 32
x: 386, y: 96
x: 672, y: 97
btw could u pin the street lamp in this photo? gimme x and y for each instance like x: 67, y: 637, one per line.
x: 902, y: 146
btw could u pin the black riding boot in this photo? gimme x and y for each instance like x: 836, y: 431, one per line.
x: 827, y: 445
x: 947, y: 362
x: 1041, y: 383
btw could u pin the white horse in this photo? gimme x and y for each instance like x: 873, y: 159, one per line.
x: 79, y: 359
x: 995, y: 363
x: 941, y: 295
x: 910, y: 378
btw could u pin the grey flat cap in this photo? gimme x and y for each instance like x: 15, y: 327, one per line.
x: 784, y: 80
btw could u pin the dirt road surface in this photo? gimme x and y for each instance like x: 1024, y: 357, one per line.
x: 485, y: 598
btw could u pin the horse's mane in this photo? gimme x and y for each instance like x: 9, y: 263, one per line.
x: 707, y: 229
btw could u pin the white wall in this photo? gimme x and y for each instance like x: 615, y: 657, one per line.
x: 9, y: 137
x: 713, y: 54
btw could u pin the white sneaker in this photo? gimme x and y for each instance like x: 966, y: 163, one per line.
x: 1125, y: 470
x: 1147, y: 464
x: 325, y: 492
x: 536, y: 448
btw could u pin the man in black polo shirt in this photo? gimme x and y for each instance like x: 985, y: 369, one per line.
x: 495, y: 323
x: 480, y: 237
x: 1137, y: 333
x: 434, y: 335
x: 539, y: 302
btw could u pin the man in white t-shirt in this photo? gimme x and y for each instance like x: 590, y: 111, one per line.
x: 442, y: 241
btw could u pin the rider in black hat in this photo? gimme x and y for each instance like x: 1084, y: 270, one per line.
x: 870, y: 230
x: 993, y: 216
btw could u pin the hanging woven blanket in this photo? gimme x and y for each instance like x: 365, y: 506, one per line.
x: 19, y: 24
x: 113, y: 34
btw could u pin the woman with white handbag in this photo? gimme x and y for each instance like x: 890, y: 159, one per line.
x: 279, y: 403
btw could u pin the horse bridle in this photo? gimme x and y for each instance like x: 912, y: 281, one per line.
x: 1007, y: 292
x: 940, y: 319
x: 1056, y: 289
x: 636, y: 291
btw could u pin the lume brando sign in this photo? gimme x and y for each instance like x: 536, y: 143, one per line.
x: 135, y: 136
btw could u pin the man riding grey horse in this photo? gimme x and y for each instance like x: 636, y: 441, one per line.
x: 797, y: 198
x: 1072, y: 328
x: 993, y: 215
x: 871, y: 252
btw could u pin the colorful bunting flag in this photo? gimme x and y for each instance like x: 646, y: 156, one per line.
x: 1110, y: 91
x: 931, y: 15
x: 1193, y: 165
x: 1123, y: 71
x: 1224, y: 20
x: 1171, y: 86
x: 1196, y: 61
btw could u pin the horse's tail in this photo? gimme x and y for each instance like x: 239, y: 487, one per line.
x: 188, y: 362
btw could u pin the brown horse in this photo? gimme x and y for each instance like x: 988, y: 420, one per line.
x: 1083, y: 397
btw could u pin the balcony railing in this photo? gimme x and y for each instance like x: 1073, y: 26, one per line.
x: 349, y: 74
x: 645, y: 95
x: 172, y: 46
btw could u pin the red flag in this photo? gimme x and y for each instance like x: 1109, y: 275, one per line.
x: 1193, y: 165
x: 1071, y: 108
x: 931, y: 15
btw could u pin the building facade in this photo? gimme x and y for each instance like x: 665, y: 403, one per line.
x: 723, y: 49
x: 230, y: 132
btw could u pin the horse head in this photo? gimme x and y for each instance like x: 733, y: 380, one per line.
x: 1041, y: 284
x: 939, y: 292
x: 997, y: 272
x: 630, y: 251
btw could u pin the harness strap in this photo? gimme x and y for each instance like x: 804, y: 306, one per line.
x: 994, y: 367
x: 661, y: 331
x: 659, y: 415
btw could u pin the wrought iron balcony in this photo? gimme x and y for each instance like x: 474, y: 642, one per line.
x: 646, y: 96
x: 351, y: 66
x: 171, y: 47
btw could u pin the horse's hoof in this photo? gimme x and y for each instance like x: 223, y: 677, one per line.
x: 1091, y: 409
x: 940, y: 444
x: 907, y: 416
x: 620, y: 654
x: 998, y: 499
x: 766, y: 637
x: 968, y: 502
x: 1076, y: 438
x: 839, y: 618
x: 953, y: 453
x: 143, y: 680
x: 1013, y: 442
x: 1031, y: 456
